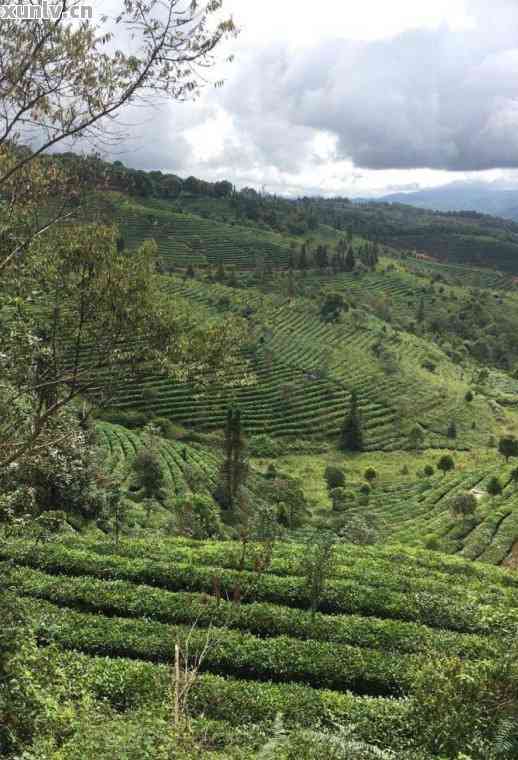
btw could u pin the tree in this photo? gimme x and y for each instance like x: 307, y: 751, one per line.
x: 463, y: 504
x: 321, y: 257
x: 446, y: 464
x: 116, y: 316
x: 317, y: 566
x: 234, y: 469
x: 287, y: 495
x: 332, y: 307
x: 428, y: 471
x: 68, y: 79
x: 416, y: 437
x: 334, y: 477
x: 149, y: 473
x: 73, y: 308
x: 494, y: 487
x: 352, y: 434
x: 197, y: 516
x: 339, y: 499
x: 303, y: 258
x: 361, y: 530
x: 221, y: 275
x: 469, y: 397
x: 370, y: 475
x: 350, y: 261
x: 508, y: 446
x: 420, y: 311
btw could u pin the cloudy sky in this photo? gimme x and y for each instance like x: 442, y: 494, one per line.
x: 347, y: 97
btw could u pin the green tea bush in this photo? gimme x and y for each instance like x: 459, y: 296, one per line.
x: 323, y: 665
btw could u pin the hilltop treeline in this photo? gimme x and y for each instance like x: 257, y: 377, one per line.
x: 463, y: 237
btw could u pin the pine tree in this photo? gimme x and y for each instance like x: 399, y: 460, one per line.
x: 420, y: 312
x: 220, y: 273
x: 350, y: 261
x: 452, y: 430
x: 234, y: 469
x: 303, y: 258
x: 352, y: 434
x: 239, y: 461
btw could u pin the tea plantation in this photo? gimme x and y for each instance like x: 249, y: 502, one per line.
x: 387, y: 612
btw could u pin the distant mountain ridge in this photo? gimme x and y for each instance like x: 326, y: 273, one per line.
x: 462, y: 196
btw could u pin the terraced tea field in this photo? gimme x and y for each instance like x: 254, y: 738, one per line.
x: 181, y: 463
x: 385, y: 612
x: 188, y: 468
x: 305, y: 371
x: 420, y: 514
x: 185, y: 239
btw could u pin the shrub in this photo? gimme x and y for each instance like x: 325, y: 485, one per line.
x: 508, y: 446
x: 263, y: 446
x: 335, y: 477
x: 359, y: 530
x: 446, y: 464
x: 370, y: 475
x: 345, y: 595
x: 494, y: 487
x: 168, y: 429
x: 339, y: 499
x: 236, y: 653
x: 130, y: 420
x: 120, y: 598
x: 197, y: 517
x: 317, y: 565
x: 365, y: 489
x: 455, y: 704
x: 429, y: 470
x: 149, y: 474
x: 150, y: 394
x: 463, y: 504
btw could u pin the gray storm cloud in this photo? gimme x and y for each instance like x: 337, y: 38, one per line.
x: 437, y: 99
x: 427, y: 98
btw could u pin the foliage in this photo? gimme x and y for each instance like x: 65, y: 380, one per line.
x: 197, y: 517
x: 149, y: 473
x: 494, y: 487
x: 463, y: 504
x: 508, y: 446
x: 335, y: 477
x: 316, y: 566
x: 339, y: 498
x: 332, y: 307
x: 234, y: 469
x: 455, y: 704
x: 446, y: 463
x: 352, y: 434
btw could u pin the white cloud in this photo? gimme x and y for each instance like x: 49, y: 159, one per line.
x: 351, y: 98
